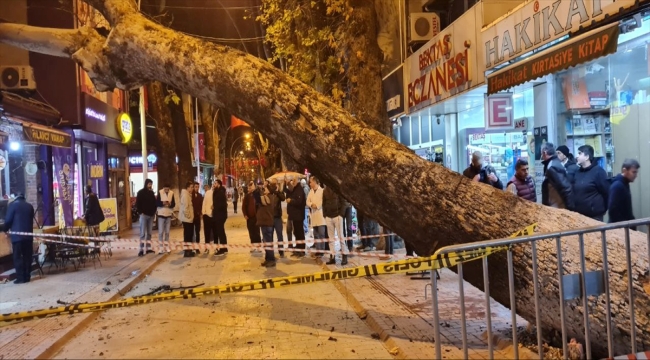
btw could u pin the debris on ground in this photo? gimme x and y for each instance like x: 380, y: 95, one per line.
x: 332, y: 339
x: 106, y: 289
x: 374, y: 336
x: 527, y: 338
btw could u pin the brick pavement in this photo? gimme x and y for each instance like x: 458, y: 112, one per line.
x: 309, y: 321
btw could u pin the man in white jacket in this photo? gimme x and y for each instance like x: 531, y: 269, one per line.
x: 315, y: 204
x: 206, y: 209
x: 186, y: 216
x: 166, y: 202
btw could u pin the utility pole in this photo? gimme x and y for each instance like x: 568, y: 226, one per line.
x: 143, y: 130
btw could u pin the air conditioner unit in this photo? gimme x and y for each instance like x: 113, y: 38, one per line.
x: 17, y: 78
x: 424, y: 26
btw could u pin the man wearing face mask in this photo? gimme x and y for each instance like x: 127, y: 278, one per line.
x: 483, y: 174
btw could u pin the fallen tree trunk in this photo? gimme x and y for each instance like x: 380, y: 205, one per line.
x: 424, y: 203
x: 166, y: 144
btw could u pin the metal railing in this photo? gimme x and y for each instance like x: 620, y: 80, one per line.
x: 585, y: 284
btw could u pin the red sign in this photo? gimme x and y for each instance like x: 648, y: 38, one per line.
x: 499, y: 113
x: 201, y: 147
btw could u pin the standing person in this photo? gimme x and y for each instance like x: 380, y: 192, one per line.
x: 166, y: 204
x: 145, y: 202
x: 197, y: 206
x: 296, y: 212
x: 20, y: 218
x: 388, y: 245
x: 305, y: 223
x: 620, y: 197
x: 94, y: 213
x: 287, y: 188
x: 219, y: 216
x: 206, y: 211
x: 346, y: 215
x: 334, y: 223
x: 235, y: 198
x: 590, y: 187
x: 277, y: 214
x: 368, y: 227
x: 569, y: 163
x: 315, y: 204
x: 186, y: 216
x: 556, y: 188
x: 249, y: 209
x: 522, y: 184
x: 265, y: 221
x: 483, y: 174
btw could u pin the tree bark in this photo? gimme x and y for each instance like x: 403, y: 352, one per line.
x: 166, y: 151
x: 426, y: 204
x: 210, y: 135
x: 364, y: 58
x: 186, y: 172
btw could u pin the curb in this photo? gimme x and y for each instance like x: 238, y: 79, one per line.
x: 47, y: 337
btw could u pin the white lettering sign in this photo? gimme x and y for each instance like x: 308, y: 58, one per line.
x: 393, y: 103
x: 137, y: 160
x: 95, y: 115
x: 540, y: 22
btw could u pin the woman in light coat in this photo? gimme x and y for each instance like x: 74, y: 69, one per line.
x: 315, y: 204
x: 186, y: 216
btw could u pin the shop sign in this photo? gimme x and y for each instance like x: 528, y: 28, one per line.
x: 539, y: 22
x: 583, y: 49
x: 96, y: 170
x: 445, y: 65
x: 499, y: 113
x: 618, y: 112
x: 393, y: 92
x: 124, y: 127
x: 521, y: 124
x: 109, y: 207
x: 95, y: 115
x: 137, y: 160
x: 45, y: 136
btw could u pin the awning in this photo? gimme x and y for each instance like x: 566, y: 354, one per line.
x: 582, y: 49
x: 44, y: 135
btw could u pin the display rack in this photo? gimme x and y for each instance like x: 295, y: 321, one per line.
x: 591, y: 127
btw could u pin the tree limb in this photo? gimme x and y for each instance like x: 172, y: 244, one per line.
x: 114, y: 10
x: 55, y: 42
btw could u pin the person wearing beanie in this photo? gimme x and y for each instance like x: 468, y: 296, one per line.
x: 568, y: 162
x: 145, y: 203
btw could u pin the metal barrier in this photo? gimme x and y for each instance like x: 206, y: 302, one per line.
x: 585, y: 284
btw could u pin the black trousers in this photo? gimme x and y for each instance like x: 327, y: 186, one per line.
x: 197, y: 231
x: 220, y: 230
x: 234, y: 205
x: 253, y: 231
x: 23, y: 251
x: 208, y: 229
x: 188, y: 233
x: 299, y: 233
x: 347, y: 226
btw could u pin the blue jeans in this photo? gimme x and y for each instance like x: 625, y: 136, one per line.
x: 305, y: 223
x: 319, y: 233
x: 164, y: 223
x: 267, y: 237
x: 278, y: 227
x: 146, y: 226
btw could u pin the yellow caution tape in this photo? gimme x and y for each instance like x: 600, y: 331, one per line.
x: 422, y: 263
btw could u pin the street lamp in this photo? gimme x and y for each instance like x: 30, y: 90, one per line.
x: 245, y: 136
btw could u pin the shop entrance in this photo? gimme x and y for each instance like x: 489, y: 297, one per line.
x: 117, y: 189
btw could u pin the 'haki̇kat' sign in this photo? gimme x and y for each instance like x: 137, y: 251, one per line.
x: 583, y: 49
x: 539, y: 22
x: 46, y: 137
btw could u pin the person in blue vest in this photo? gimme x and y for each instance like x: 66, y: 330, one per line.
x: 522, y: 184
x: 20, y: 217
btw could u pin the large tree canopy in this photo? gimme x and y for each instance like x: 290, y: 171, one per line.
x: 427, y: 204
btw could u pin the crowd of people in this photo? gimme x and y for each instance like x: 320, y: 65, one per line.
x: 261, y: 206
x: 578, y: 184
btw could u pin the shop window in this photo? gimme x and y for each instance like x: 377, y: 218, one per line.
x: 415, y: 130
x: 524, y: 104
x: 405, y: 132
x: 425, y: 132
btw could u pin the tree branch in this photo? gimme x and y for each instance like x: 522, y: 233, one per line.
x: 55, y: 42
x: 114, y: 10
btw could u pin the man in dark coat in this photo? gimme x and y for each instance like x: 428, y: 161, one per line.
x: 556, y: 188
x: 145, y: 203
x: 296, y: 202
x: 20, y: 217
x: 483, y: 174
x: 249, y: 209
x: 569, y: 163
x: 620, y: 197
x: 219, y: 216
x: 590, y: 187
x: 94, y: 213
x: 197, y: 205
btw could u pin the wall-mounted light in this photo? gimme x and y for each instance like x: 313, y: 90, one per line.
x: 14, y: 146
